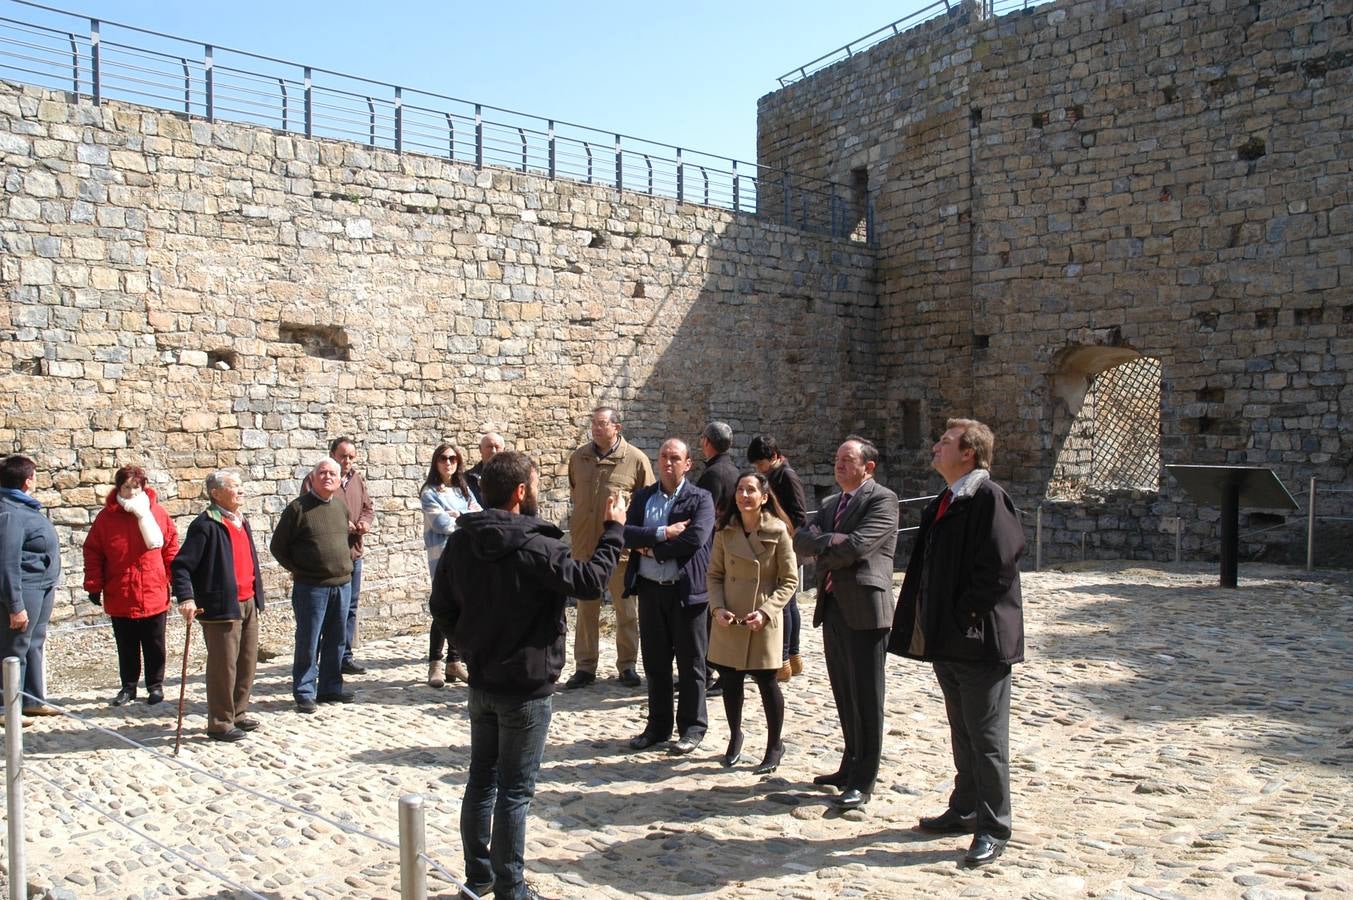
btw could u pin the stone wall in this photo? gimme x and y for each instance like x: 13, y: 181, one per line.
x: 188, y: 295
x: 1068, y: 187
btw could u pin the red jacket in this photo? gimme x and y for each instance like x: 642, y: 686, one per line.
x: 134, y: 581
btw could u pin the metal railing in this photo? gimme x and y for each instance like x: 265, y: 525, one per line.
x: 980, y: 8
x: 105, y: 60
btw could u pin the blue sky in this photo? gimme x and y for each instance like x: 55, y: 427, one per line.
x: 686, y: 73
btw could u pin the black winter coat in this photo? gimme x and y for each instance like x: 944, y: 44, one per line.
x: 499, y: 594
x: 967, y: 564
x: 204, y: 569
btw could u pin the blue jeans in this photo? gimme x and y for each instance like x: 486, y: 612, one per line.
x: 320, y: 614
x: 350, y: 629
x: 507, y: 741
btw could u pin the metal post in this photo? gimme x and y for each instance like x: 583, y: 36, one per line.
x: 413, y: 875
x: 1230, y: 532
x: 681, y: 178
x: 309, y: 105
x: 187, y: 86
x: 18, y: 869
x: 399, y: 120
x: 1178, y: 539
x: 1038, y: 539
x: 1310, y: 529
x: 735, y: 187
x: 286, y: 103
x: 94, y: 59
x: 371, y: 123
x: 619, y: 166
x: 478, y: 136
x: 553, y: 158
x: 211, y: 82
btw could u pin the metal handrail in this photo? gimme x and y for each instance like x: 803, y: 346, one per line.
x: 327, y: 103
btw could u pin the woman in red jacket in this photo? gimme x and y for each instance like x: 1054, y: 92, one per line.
x: 127, y: 556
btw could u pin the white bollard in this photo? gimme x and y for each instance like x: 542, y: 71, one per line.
x: 18, y: 868
x: 413, y: 873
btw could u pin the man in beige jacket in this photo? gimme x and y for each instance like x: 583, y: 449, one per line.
x: 607, y: 465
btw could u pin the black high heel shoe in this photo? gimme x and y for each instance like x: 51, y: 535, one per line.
x: 734, y: 751
x: 772, y: 759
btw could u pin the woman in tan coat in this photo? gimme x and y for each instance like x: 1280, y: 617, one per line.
x: 752, y: 575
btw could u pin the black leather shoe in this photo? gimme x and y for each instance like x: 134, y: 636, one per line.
x: 630, y: 678
x: 230, y: 736
x: 247, y: 724
x: 353, y: 667
x: 984, y: 850
x: 686, y: 744
x: 951, y: 821
x: 340, y: 697
x: 306, y: 705
x: 715, y: 688
x: 125, y: 696
x: 644, y: 741
x: 156, y: 695
x: 837, y: 780
x: 476, y: 891
x: 579, y: 679
x: 734, y: 751
x: 852, y: 799
x: 771, y: 761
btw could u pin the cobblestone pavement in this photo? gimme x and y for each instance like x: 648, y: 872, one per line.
x: 1170, y: 738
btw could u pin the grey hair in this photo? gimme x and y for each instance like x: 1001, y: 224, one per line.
x: 217, y: 480
x: 328, y: 459
x: 719, y: 434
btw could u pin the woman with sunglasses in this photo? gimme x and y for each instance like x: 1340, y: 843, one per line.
x: 445, y: 497
x: 752, y: 574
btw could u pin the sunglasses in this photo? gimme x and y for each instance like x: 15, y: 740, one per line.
x: 447, y: 457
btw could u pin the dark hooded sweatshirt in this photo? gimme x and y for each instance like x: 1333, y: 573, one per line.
x: 499, y: 594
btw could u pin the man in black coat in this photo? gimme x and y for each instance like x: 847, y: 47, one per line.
x: 499, y: 593
x: 960, y: 609
x: 720, y: 476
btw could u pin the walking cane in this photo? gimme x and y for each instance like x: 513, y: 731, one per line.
x: 183, y: 679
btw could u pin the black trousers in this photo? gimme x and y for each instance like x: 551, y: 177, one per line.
x: 855, y: 669
x: 135, y: 638
x: 667, y: 629
x: 977, y: 701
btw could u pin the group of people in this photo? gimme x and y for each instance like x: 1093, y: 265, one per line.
x: 703, y: 574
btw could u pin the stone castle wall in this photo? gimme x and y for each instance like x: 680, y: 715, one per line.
x: 1069, y: 187
x: 187, y: 295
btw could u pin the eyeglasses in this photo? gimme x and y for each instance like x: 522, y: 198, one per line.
x: 447, y: 457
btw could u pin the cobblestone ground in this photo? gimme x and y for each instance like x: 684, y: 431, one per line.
x: 1170, y: 738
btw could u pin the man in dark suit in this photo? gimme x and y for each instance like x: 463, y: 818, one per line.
x: 961, y: 610
x: 668, y: 528
x: 720, y: 477
x: 853, y: 536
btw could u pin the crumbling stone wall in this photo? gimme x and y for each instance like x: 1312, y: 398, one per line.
x: 1166, y: 179
x: 189, y: 295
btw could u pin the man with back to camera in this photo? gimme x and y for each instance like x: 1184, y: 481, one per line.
x: 499, y: 592
x: 311, y: 542
x: 960, y: 609
x: 606, y: 466
x: 361, y: 516
x: 720, y: 476
x: 853, y: 536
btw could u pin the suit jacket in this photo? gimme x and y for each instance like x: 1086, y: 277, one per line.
x: 690, y: 550
x: 861, y: 566
x: 720, y: 478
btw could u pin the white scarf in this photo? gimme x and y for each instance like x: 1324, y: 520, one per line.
x: 139, y: 506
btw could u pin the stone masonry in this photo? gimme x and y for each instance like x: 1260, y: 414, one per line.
x: 1080, y: 184
x: 188, y: 295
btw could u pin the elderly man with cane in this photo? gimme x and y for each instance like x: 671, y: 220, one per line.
x: 217, y: 581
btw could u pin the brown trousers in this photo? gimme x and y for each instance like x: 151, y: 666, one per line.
x: 232, y: 654
x: 587, y: 637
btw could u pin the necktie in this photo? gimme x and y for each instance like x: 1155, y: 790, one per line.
x: 836, y: 522
x: 944, y: 504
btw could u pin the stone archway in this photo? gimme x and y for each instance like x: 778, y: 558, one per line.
x: 1107, y: 414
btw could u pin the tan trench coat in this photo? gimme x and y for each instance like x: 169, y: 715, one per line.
x: 745, y: 575
x: 591, y: 480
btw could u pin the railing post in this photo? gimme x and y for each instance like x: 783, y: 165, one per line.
x: 619, y: 166
x: 18, y: 869
x: 735, y: 187
x: 478, y: 136
x: 74, y: 61
x: 553, y: 159
x: 521, y: 133
x: 1178, y: 539
x: 309, y: 104
x: 211, y: 84
x: 681, y: 178
x: 399, y: 120
x: 450, y: 136
x: 371, y: 123
x: 1038, y: 539
x: 1310, y: 529
x: 413, y: 875
x: 94, y: 54
x: 286, y: 103
x: 187, y: 86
